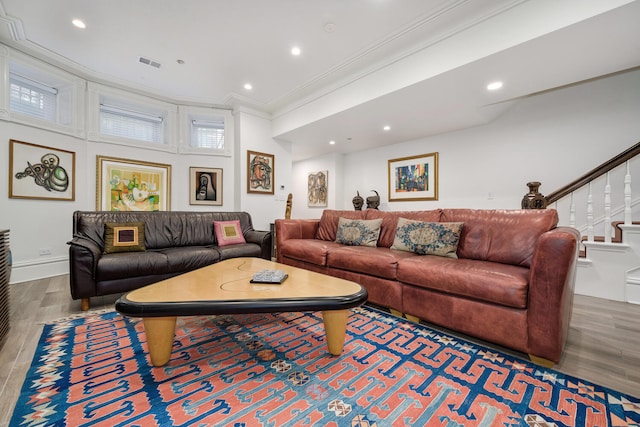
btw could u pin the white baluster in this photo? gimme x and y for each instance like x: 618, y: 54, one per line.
x: 590, y: 233
x: 607, y: 211
x: 627, y: 197
x: 572, y: 213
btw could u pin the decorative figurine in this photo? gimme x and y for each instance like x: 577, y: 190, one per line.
x: 373, y: 201
x: 357, y: 201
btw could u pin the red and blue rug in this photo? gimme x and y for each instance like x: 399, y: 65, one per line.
x: 274, y: 370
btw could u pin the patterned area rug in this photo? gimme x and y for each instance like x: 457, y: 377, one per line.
x: 274, y: 370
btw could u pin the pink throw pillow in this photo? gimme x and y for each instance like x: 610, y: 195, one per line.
x: 228, y: 232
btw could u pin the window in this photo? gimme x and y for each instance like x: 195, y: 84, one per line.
x: 41, y: 95
x: 120, y: 122
x: 32, y: 98
x: 207, y: 134
x: 206, y: 130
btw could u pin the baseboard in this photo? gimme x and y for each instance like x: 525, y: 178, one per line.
x: 26, y: 271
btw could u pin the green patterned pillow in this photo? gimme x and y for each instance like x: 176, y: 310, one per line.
x: 124, y: 237
x: 428, y: 238
x: 358, y: 232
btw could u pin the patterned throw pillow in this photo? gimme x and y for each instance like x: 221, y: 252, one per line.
x: 123, y: 237
x: 428, y: 238
x: 228, y: 232
x: 358, y: 232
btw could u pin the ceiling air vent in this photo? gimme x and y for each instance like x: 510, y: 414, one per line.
x: 148, y: 61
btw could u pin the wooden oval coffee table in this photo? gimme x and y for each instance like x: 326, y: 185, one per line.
x: 225, y: 288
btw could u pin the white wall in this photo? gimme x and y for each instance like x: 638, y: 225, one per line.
x: 253, y: 133
x: 554, y: 137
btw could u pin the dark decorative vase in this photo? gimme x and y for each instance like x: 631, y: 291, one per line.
x: 533, y: 199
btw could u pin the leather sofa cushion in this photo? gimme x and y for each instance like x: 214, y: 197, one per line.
x: 328, y: 227
x: 308, y: 250
x: 379, y: 262
x: 238, y: 251
x: 186, y: 258
x: 127, y: 264
x: 504, y: 236
x: 492, y: 282
x: 390, y: 222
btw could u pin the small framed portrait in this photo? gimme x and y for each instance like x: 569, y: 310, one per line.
x: 413, y: 178
x: 260, y: 172
x: 39, y: 172
x: 205, y: 186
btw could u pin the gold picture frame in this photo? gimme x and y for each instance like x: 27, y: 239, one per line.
x: 205, y: 186
x: 42, y: 173
x: 132, y: 185
x: 413, y: 178
x: 260, y: 172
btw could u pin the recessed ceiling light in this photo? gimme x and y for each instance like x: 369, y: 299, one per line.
x: 248, y: 86
x: 494, y: 86
x: 332, y: 142
x: 387, y: 127
x: 79, y: 23
x: 180, y: 61
x: 295, y: 51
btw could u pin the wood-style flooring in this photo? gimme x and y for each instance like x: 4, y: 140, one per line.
x: 603, y: 344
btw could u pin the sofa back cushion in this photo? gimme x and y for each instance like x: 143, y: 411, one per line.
x: 328, y: 227
x: 162, y: 229
x: 390, y: 221
x: 505, y: 236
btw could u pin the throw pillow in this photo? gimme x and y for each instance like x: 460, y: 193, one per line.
x: 355, y: 232
x: 228, y: 232
x: 428, y: 238
x: 123, y: 237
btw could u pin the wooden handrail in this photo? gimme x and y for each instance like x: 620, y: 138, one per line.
x: 593, y: 174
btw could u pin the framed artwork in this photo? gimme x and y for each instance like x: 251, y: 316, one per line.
x: 413, y: 178
x: 39, y: 172
x: 317, y: 184
x: 205, y: 186
x: 260, y: 172
x: 131, y: 185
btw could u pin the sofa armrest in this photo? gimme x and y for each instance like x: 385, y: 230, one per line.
x: 83, y: 265
x: 262, y: 239
x: 551, y: 285
x: 287, y: 229
x: 296, y: 229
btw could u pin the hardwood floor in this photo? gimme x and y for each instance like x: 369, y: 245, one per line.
x: 603, y: 345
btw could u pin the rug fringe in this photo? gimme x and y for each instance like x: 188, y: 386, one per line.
x: 77, y: 316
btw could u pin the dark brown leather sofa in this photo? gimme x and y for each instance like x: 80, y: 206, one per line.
x: 176, y: 242
x: 512, y: 283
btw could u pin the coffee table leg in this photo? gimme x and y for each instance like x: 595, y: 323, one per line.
x: 160, y: 332
x: 335, y: 328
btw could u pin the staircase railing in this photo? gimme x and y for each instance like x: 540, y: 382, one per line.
x: 585, y: 182
x: 593, y: 174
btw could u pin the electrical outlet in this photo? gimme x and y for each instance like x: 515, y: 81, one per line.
x: 44, y: 251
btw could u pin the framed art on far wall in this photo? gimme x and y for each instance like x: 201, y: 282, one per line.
x: 131, y: 185
x: 413, y: 178
x: 39, y: 172
x: 205, y: 186
x: 260, y: 172
x: 317, y: 188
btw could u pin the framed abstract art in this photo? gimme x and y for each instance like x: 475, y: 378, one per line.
x: 132, y: 185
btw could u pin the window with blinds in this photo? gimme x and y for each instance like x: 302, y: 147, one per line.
x: 126, y: 123
x: 207, y: 134
x: 31, y: 98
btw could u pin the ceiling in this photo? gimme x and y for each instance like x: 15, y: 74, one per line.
x: 419, y: 66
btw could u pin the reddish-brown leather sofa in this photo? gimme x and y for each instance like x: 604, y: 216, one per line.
x: 512, y: 283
